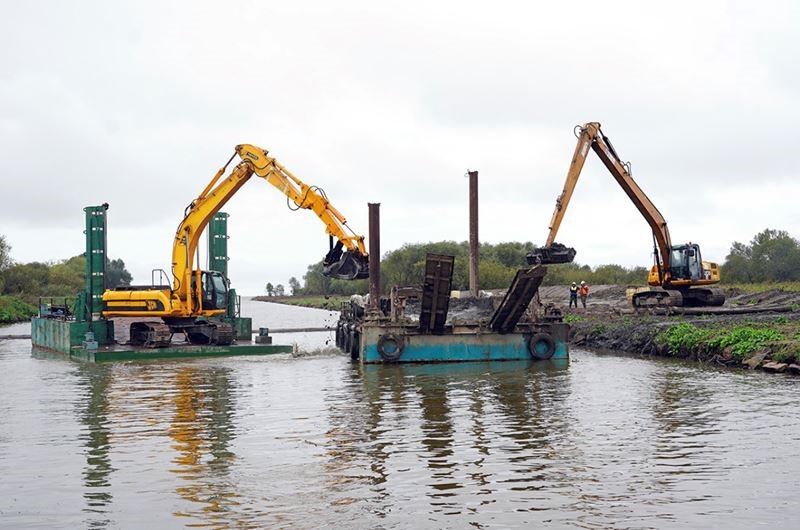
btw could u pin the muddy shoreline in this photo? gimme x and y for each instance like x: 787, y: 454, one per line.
x: 760, y: 330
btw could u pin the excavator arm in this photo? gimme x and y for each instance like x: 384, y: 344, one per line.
x: 346, y: 259
x: 591, y: 136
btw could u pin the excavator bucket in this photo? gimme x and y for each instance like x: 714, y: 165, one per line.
x: 347, y: 266
x: 554, y: 254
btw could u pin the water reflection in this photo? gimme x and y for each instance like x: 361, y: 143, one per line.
x: 610, y: 442
x: 202, y: 428
x: 93, y: 413
x: 449, y: 427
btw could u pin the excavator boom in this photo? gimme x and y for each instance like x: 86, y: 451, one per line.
x: 347, y: 259
x: 676, y: 267
x: 195, y: 294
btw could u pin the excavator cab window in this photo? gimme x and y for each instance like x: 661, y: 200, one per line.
x: 685, y: 263
x: 215, y: 290
x: 679, y: 263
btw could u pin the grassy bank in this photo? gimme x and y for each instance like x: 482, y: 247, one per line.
x: 789, y: 287
x: 743, y: 340
x: 332, y: 302
x: 13, y: 309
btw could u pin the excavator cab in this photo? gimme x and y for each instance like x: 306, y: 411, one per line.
x: 685, y: 262
x: 214, y: 291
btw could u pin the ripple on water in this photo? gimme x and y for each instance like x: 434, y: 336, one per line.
x: 315, y: 441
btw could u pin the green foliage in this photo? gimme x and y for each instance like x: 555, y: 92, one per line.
x: 571, y: 318
x: 745, y: 340
x: 771, y: 256
x: 742, y: 340
x: 294, y: 286
x: 14, y: 309
x: 116, y: 274
x: 682, y: 337
x: 602, y: 274
x: 64, y: 278
x: 5, y: 254
x: 317, y: 283
x: 499, y: 263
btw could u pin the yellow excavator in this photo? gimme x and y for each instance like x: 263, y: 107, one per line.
x: 195, y: 295
x: 679, y: 276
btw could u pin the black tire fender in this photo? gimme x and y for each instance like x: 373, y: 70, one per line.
x: 355, y: 346
x: 347, y: 341
x: 390, y: 347
x: 541, y: 346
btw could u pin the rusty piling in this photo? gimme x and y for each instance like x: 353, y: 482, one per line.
x: 374, y: 255
x: 473, y: 233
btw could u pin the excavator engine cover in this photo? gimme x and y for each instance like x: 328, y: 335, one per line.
x: 349, y: 266
x: 554, y: 254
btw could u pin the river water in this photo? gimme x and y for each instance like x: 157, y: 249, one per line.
x: 313, y: 441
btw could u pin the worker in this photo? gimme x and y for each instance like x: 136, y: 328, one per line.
x: 573, y: 295
x: 584, y: 292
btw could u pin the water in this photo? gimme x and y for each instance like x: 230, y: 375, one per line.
x: 309, y: 442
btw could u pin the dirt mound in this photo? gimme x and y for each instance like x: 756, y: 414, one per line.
x: 737, y: 298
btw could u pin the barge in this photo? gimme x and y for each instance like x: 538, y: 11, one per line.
x: 386, y: 332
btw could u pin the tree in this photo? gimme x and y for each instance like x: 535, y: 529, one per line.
x: 771, y: 256
x: 269, y: 289
x: 294, y: 286
x: 315, y: 282
x: 279, y: 290
x: 116, y: 274
x: 5, y: 254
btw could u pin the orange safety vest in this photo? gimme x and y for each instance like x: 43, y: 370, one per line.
x: 584, y: 290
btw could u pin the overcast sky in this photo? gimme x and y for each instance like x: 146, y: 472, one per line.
x: 138, y: 103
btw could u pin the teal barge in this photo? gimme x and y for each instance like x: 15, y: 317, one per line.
x: 381, y: 343
x: 510, y: 332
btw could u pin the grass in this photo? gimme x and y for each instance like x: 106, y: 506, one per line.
x: 315, y: 301
x: 750, y: 288
x: 13, y: 309
x: 741, y: 340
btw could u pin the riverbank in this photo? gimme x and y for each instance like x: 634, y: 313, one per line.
x: 13, y: 309
x: 764, y: 332
x: 332, y: 302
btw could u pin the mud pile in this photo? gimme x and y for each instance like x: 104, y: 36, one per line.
x: 461, y: 310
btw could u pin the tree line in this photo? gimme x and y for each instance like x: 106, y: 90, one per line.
x: 29, y: 281
x: 498, y: 265
x: 771, y: 256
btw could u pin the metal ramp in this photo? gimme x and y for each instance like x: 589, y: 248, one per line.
x: 436, y: 293
x: 519, y: 295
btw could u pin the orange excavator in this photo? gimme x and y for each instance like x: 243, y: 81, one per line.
x: 679, y: 276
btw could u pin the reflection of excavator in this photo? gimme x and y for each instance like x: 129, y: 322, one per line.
x: 679, y: 276
x: 196, y: 294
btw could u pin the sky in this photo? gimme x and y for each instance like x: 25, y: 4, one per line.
x: 137, y: 104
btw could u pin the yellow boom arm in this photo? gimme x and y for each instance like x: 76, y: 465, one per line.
x: 345, y: 264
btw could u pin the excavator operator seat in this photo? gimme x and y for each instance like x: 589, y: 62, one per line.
x: 214, y: 289
x: 686, y: 263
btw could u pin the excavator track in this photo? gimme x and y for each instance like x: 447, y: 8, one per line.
x: 658, y: 297
x: 210, y: 333
x: 150, y: 334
